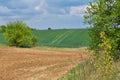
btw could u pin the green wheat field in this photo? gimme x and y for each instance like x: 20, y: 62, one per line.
x: 69, y: 38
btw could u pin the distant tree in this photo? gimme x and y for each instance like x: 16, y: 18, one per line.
x: 49, y: 28
x: 33, y: 29
x: 19, y: 34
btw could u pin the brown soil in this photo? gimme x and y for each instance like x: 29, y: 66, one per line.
x: 37, y: 63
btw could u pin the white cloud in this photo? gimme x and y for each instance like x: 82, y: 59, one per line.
x: 78, y: 10
x: 62, y: 11
x: 40, y: 6
x: 4, y: 9
x: 43, y: 12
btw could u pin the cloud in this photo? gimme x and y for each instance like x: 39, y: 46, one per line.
x: 55, y: 21
x: 4, y: 9
x: 41, y: 5
x: 44, y: 13
x: 78, y: 10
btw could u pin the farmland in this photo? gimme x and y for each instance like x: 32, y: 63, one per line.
x: 42, y: 40
x: 44, y: 63
x: 70, y: 38
x: 38, y: 63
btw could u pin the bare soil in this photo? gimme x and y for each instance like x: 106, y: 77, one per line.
x: 38, y: 63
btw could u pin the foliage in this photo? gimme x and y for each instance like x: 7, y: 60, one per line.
x: 88, y: 71
x: 49, y: 28
x: 2, y: 28
x: 104, y: 61
x: 18, y: 34
x: 104, y: 15
x: 34, y: 40
x: 115, y: 42
x: 81, y: 72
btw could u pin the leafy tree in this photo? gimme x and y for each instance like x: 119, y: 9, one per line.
x: 49, y: 28
x: 18, y: 34
x: 104, y: 15
x: 34, y: 40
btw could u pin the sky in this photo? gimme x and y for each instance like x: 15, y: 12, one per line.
x: 41, y: 14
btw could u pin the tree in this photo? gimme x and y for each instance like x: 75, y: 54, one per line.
x: 18, y: 34
x: 49, y: 28
x: 34, y: 40
x: 104, y: 15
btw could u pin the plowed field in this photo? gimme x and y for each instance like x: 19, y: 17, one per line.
x: 37, y: 63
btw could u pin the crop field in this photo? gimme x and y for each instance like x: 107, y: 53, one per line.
x: 44, y: 63
x: 70, y: 38
x: 38, y: 63
x: 2, y: 39
x: 63, y: 38
x: 60, y: 40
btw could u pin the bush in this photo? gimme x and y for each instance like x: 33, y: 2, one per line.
x: 18, y: 34
x: 34, y: 40
x: 104, y: 62
x: 103, y: 15
x: 49, y: 28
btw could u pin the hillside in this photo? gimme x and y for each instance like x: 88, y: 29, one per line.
x: 62, y: 38
x: 71, y: 38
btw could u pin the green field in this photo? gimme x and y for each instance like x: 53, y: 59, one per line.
x: 2, y: 39
x: 70, y: 38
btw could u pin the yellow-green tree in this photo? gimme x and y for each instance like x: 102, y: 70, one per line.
x: 18, y: 34
x: 104, y: 15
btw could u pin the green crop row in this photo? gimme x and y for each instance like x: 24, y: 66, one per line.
x: 70, y: 38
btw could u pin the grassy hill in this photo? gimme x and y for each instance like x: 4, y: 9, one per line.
x: 62, y: 38
x: 71, y: 38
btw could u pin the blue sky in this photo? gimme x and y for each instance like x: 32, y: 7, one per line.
x: 44, y: 13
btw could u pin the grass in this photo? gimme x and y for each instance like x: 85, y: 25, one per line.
x: 86, y: 71
x: 63, y: 38
x: 2, y: 39
x: 81, y: 72
x: 69, y: 38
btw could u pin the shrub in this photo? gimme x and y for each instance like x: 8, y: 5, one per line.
x: 34, y: 40
x: 103, y: 15
x: 49, y: 28
x: 104, y: 61
x: 18, y: 34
